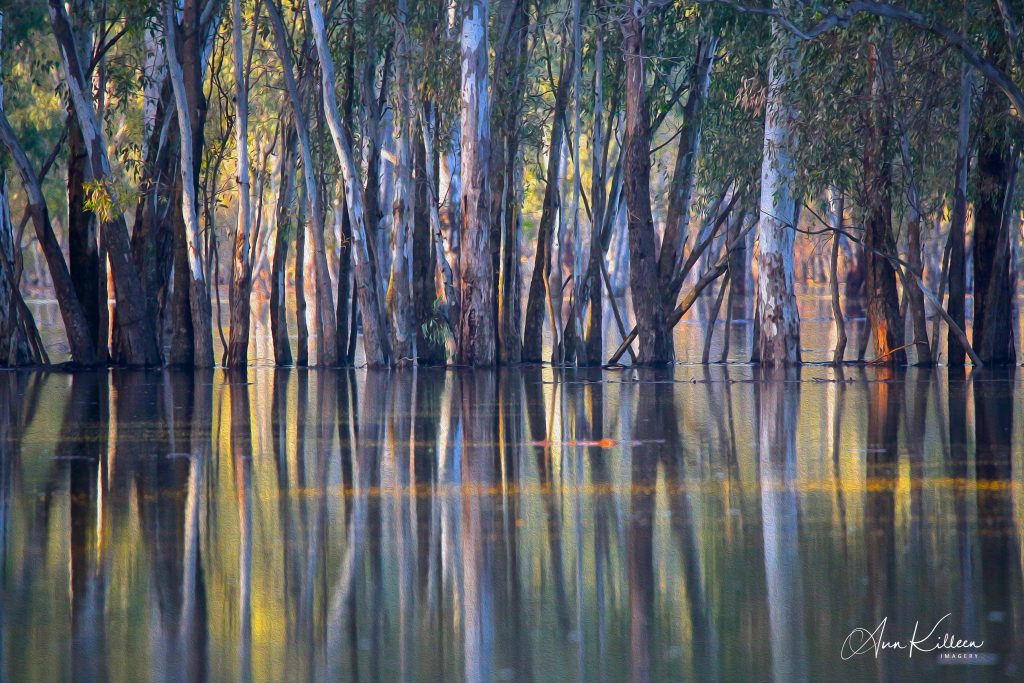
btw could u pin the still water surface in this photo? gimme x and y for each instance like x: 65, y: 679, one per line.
x: 531, y: 525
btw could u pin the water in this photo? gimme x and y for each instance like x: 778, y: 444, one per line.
x: 690, y: 524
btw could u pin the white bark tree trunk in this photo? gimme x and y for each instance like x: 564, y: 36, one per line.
x: 779, y: 321
x: 238, y: 345
x: 199, y: 300
x: 374, y: 339
x: 399, y: 297
x: 476, y: 339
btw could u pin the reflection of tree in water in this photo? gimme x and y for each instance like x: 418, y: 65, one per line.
x: 478, y: 526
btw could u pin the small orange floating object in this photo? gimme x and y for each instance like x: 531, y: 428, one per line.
x: 606, y: 443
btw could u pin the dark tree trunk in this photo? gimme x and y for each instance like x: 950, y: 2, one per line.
x: 181, y: 353
x: 648, y: 302
x: 424, y: 266
x: 76, y: 326
x: 670, y: 258
x: 345, y: 298
x: 83, y: 242
x: 958, y: 223
x: 533, y: 331
x: 153, y: 230
x: 993, y: 336
x: 135, y: 334
x: 510, y: 61
x: 285, y: 227
x: 882, y: 297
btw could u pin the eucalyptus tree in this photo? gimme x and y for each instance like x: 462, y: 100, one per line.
x: 135, y: 333
x: 241, y: 280
x: 655, y: 340
x: 778, y: 321
x: 374, y: 331
x: 476, y: 336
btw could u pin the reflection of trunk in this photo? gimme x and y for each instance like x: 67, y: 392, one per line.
x: 533, y: 330
x: 994, y: 427
x: 477, y: 517
x: 883, y: 299
x: 241, y: 456
x: 777, y: 407
x: 884, y: 405
x: 778, y: 321
x: 640, y: 544
x: 475, y: 340
x: 284, y: 227
x: 993, y: 337
x: 958, y: 222
x: 87, y: 583
x: 648, y: 302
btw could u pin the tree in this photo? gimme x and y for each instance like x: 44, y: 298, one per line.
x: 476, y: 334
x: 655, y: 340
x: 778, y: 321
x: 241, y: 280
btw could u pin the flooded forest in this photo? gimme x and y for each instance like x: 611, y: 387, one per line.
x: 511, y: 340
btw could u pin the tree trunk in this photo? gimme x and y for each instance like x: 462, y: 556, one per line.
x: 241, y: 277
x: 198, y: 295
x: 399, y: 296
x: 593, y: 349
x: 476, y: 335
x: 883, y: 306
x: 913, y: 293
x: 83, y: 240
x: 153, y: 232
x: 778, y: 320
x: 345, y: 303
x: 533, y: 331
x: 285, y: 225
x: 992, y: 296
x: 838, y: 202
x: 16, y: 346
x: 135, y: 330
x: 424, y: 266
x: 957, y: 305
x: 510, y: 63
x: 301, y: 328
x: 670, y: 258
x: 648, y: 302
x: 375, y: 342
x: 76, y: 325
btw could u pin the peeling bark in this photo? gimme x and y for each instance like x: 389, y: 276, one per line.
x: 778, y: 320
x: 476, y: 334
